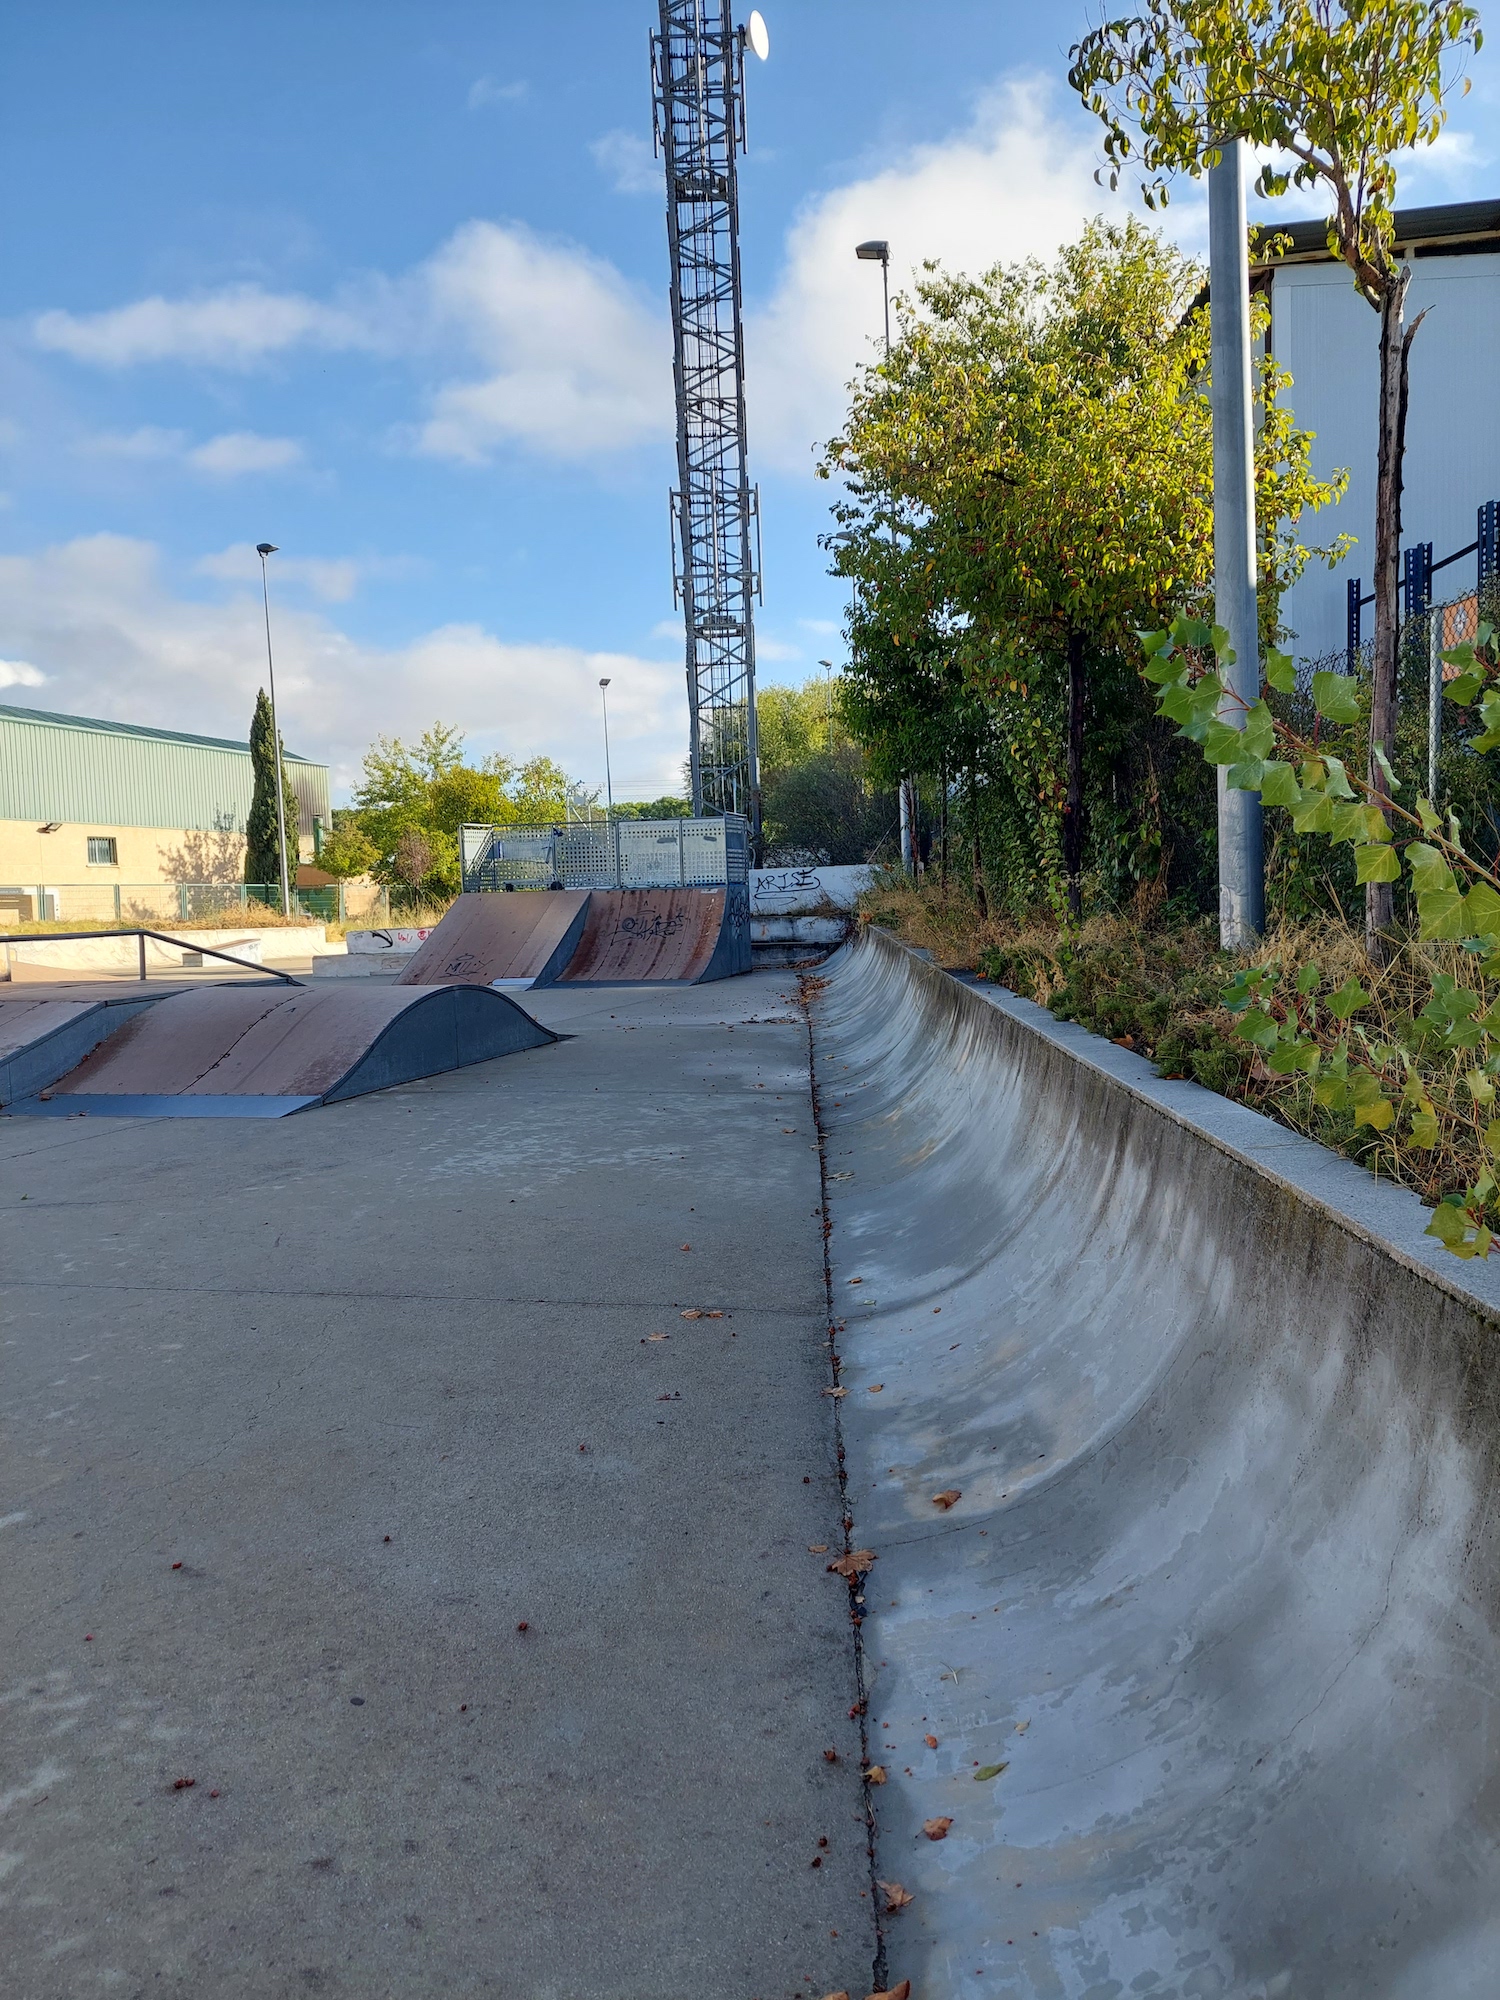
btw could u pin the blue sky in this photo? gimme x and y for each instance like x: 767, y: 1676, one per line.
x: 386, y: 285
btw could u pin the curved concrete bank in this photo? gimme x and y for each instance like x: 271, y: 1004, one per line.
x: 1220, y: 1592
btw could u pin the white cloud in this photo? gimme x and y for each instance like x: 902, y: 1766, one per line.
x: 334, y: 579
x: 523, y: 340
x: 237, y: 327
x: 484, y: 91
x: 574, y: 362
x: 1017, y: 182
x: 767, y: 648
x: 149, y: 442
x: 20, y: 673
x: 113, y: 639
x: 630, y: 162
x: 238, y: 452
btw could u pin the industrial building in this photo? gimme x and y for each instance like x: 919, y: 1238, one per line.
x: 106, y: 819
x: 1323, y: 332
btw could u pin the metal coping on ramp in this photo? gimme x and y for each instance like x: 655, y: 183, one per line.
x: 602, y: 937
x: 237, y: 1052
x: 1177, y: 1446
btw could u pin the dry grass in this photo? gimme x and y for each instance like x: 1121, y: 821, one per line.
x: 1157, y: 987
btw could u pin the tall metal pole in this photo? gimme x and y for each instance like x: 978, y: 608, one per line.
x: 1242, y: 896
x: 609, y: 783
x: 264, y: 549
x: 878, y: 250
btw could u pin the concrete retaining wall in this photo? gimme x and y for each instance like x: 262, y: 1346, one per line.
x: 1220, y: 1590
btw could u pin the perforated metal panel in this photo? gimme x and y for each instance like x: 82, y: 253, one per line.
x: 622, y: 854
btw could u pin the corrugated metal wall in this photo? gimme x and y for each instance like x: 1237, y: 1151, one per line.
x: 84, y: 772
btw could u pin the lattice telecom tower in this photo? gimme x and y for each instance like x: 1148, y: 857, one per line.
x: 698, y: 88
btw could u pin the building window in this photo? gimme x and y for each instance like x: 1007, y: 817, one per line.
x: 103, y: 852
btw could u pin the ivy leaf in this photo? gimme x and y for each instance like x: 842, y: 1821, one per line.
x: 1331, y: 1092
x: 1424, y: 1129
x: 1350, y: 997
x: 1223, y: 744
x: 1377, y: 864
x: 1481, y: 911
x: 1337, y: 783
x: 1463, y: 690
x: 1245, y: 776
x: 1278, y: 785
x: 1258, y: 1027
x: 1281, y: 672
x: 1259, y: 731
x: 1429, y: 868
x: 1440, y: 913
x: 1378, y: 1112
x: 1430, y: 821
x: 1176, y: 702
x: 1308, y: 977
x: 1385, y: 764
x: 1336, y: 697
x: 1313, y: 815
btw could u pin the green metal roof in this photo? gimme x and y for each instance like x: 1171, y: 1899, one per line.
x: 134, y: 729
x: 81, y: 769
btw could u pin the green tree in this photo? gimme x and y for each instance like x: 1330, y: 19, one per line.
x: 346, y: 852
x: 262, y: 849
x: 1029, y: 480
x: 1334, y: 89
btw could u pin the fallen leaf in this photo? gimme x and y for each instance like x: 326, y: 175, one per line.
x: 948, y: 1498
x: 831, y: 1756
x: 931, y: 1742
x: 687, y: 1246
x: 876, y: 1388
x: 1022, y: 1727
x: 816, y: 1862
x: 936, y: 1829
x: 857, y: 1563
x: 817, y: 1548
x: 658, y: 1336
x: 713, y: 1315
x: 989, y: 1771
x: 842, y: 1994
x: 896, y: 1898
x: 693, y: 1312
x: 856, y: 1281
x: 183, y: 1784
x: 835, y: 1392
x: 875, y: 1774
x: 901, y: 1992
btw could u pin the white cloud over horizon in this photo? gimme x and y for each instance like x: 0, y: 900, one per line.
x: 103, y: 633
x: 228, y: 456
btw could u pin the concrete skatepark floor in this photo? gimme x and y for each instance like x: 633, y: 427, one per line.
x: 304, y: 1422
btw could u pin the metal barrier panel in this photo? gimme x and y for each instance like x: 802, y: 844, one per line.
x: 618, y: 854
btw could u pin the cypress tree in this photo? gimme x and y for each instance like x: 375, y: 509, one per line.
x: 262, y: 856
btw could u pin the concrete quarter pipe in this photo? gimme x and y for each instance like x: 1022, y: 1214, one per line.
x: 263, y: 1051
x: 1177, y: 1450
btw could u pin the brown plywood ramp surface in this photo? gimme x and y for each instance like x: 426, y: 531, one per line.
x: 530, y: 934
x: 42, y: 1038
x: 233, y: 1051
x: 671, y: 936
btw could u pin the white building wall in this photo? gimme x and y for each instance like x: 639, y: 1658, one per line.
x: 1325, y: 334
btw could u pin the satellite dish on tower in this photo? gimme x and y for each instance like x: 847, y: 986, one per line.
x: 755, y: 34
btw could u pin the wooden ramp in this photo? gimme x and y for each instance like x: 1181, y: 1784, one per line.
x: 662, y: 936
x: 526, y: 937
x: 45, y: 1034
x: 261, y: 1052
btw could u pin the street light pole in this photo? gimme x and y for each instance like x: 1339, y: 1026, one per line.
x: 1242, y: 892
x: 878, y: 251
x: 264, y: 549
x: 609, y: 787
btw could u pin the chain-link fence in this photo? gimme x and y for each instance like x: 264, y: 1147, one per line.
x: 201, y: 904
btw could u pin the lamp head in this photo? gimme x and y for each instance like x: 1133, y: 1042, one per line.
x: 604, y: 683
x: 264, y: 549
x: 873, y: 252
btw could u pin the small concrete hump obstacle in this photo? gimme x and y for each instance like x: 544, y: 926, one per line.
x: 600, y: 937
x: 42, y: 1037
x: 263, y: 1051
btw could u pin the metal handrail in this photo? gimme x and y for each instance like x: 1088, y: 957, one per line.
x: 161, y: 937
